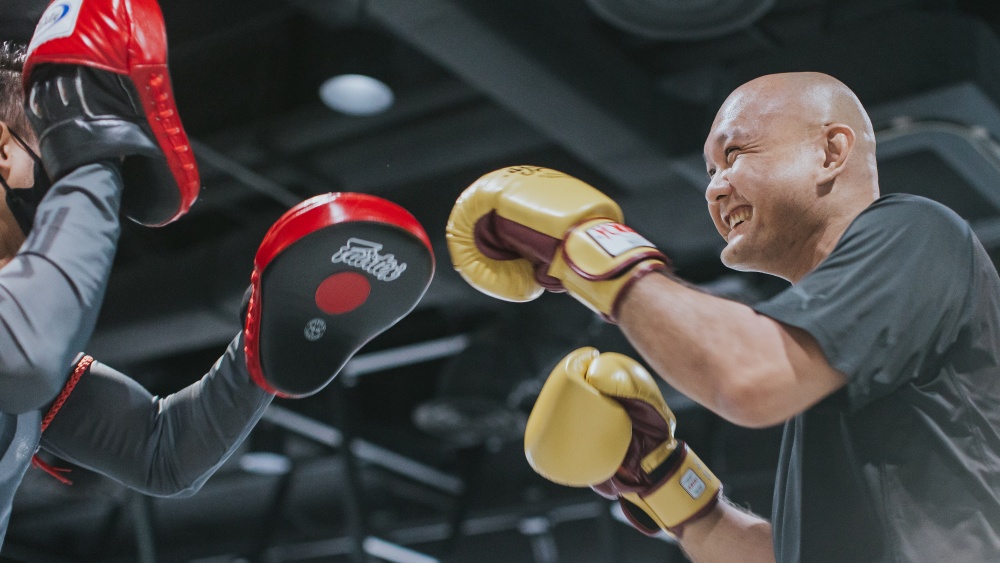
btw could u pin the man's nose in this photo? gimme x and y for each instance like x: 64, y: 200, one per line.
x: 718, y: 188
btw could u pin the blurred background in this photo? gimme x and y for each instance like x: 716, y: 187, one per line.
x: 414, y: 453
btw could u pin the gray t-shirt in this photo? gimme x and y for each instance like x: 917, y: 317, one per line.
x: 902, y: 464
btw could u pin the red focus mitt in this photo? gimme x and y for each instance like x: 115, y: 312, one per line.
x: 331, y: 274
x: 97, y: 88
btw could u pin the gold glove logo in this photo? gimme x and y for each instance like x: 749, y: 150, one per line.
x: 363, y: 254
x: 539, y: 171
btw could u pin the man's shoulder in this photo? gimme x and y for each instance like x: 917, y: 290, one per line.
x: 908, y: 204
x: 912, y: 214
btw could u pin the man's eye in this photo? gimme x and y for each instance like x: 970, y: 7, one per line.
x: 711, y: 172
x: 730, y: 151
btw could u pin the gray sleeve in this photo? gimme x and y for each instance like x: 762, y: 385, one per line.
x: 889, y: 301
x: 160, y: 446
x: 51, y: 292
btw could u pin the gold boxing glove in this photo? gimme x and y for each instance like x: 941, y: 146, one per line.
x: 519, y: 231
x: 600, y: 421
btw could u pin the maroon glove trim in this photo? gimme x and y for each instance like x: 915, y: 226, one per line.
x: 660, y: 476
x: 500, y: 238
x: 639, y: 273
x: 678, y: 530
x: 653, y: 254
x: 666, y: 470
x: 639, y: 520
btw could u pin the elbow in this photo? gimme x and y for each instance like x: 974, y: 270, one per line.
x: 749, y: 402
x: 30, y: 384
x: 180, y: 492
x: 170, y: 481
x: 172, y: 489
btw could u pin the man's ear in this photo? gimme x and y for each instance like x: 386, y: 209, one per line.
x: 838, y: 140
x: 5, y: 149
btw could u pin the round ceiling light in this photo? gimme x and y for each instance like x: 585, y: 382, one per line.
x: 265, y: 463
x: 356, y: 94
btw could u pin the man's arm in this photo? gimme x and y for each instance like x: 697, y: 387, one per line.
x: 162, y: 446
x: 51, y: 292
x: 744, y: 366
x: 726, y: 534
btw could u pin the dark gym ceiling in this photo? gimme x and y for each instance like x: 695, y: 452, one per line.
x: 416, y: 444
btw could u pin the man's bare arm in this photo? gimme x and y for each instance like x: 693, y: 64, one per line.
x: 744, y: 366
x: 727, y: 534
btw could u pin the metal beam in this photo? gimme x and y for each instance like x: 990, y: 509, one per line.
x: 257, y: 182
x: 365, y: 451
x: 478, y: 524
x: 613, y: 138
x: 391, y: 358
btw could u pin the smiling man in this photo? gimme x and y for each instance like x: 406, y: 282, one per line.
x: 882, y: 359
x: 771, y: 224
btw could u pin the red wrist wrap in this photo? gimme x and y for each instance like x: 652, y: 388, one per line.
x: 81, y: 368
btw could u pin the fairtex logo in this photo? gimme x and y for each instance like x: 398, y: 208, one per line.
x: 363, y: 254
x: 56, y: 13
x: 59, y: 20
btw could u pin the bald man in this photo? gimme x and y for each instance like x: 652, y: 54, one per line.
x: 882, y: 359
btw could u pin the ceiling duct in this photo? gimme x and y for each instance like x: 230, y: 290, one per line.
x: 680, y: 20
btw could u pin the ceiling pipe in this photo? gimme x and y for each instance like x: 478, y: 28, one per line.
x: 605, y: 111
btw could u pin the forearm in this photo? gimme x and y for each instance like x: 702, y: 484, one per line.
x: 701, y: 344
x: 51, y: 292
x: 167, y: 446
x: 722, y: 354
x: 728, y: 534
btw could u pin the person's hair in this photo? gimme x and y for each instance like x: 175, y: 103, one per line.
x: 12, y: 56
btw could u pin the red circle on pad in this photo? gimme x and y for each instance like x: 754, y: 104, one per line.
x: 342, y: 292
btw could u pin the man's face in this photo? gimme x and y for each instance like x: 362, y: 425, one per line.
x: 762, y: 195
x: 20, y: 167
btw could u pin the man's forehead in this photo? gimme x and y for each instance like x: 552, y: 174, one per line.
x: 726, y: 131
x: 729, y: 119
x: 745, y: 115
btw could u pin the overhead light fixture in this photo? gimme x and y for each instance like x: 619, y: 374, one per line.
x: 356, y: 94
x: 681, y: 20
x: 265, y: 463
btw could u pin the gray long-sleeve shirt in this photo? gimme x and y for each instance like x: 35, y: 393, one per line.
x: 51, y: 292
x: 50, y: 295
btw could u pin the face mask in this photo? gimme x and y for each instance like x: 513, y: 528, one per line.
x: 23, y: 202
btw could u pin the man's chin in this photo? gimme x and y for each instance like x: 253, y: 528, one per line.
x: 734, y: 259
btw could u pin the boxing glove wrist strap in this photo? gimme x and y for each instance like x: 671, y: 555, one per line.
x: 683, y: 491
x: 600, y: 259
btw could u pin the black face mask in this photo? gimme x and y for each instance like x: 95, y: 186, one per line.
x: 23, y: 202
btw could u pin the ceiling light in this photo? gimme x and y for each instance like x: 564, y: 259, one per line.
x: 265, y: 463
x: 356, y: 94
x: 681, y: 20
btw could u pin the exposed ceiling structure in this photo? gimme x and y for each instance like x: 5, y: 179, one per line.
x: 413, y: 453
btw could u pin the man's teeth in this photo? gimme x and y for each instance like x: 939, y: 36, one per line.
x: 739, y: 216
